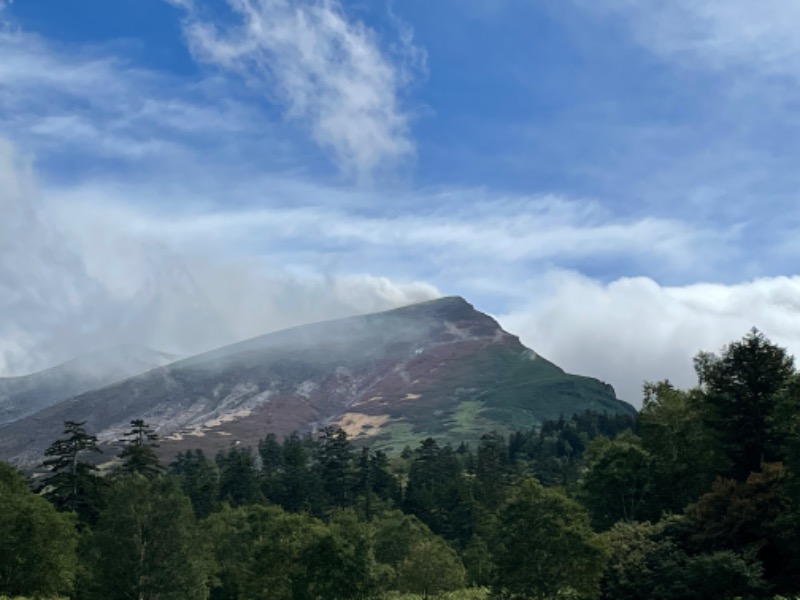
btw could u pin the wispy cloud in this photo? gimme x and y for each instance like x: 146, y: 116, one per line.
x: 77, y: 279
x: 90, y: 105
x: 328, y: 70
x: 759, y: 37
x: 210, y: 226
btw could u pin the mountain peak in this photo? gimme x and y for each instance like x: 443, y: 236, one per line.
x: 439, y: 368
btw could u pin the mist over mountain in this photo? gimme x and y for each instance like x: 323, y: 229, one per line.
x: 25, y: 395
x: 439, y: 368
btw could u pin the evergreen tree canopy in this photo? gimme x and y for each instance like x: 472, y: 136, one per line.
x: 741, y: 391
x: 74, y: 484
x: 138, y: 454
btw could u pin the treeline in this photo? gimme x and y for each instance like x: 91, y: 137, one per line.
x: 696, y: 498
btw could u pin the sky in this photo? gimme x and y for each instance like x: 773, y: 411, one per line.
x: 616, y: 181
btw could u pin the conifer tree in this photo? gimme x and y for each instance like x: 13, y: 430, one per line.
x: 742, y: 388
x: 74, y: 484
x: 138, y: 455
x: 199, y: 480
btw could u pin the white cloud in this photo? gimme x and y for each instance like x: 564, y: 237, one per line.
x: 758, y: 36
x: 74, y: 278
x: 634, y: 330
x: 465, y: 226
x: 327, y: 70
x: 84, y: 104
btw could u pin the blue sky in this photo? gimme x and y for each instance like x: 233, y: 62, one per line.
x: 615, y: 180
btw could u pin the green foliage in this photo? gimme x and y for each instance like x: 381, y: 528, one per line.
x: 430, y: 568
x: 478, y: 561
x: 545, y: 546
x: 688, y: 502
x: 742, y: 389
x: 145, y: 544
x: 395, y: 534
x: 37, y: 543
x: 263, y: 552
x: 683, y: 461
x: 646, y: 562
x: 466, y: 594
x: 138, y: 454
x: 438, y: 493
x: 618, y: 481
x: 340, y: 563
x: 73, y: 484
x: 238, y: 476
x: 199, y: 480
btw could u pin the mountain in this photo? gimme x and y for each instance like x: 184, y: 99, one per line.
x: 26, y: 395
x: 438, y: 368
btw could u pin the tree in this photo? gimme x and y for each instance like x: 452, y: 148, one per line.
x: 646, y: 562
x: 545, y: 547
x: 238, y: 476
x: 683, y: 461
x: 74, y: 484
x: 199, y: 480
x: 340, y: 564
x: 492, y: 470
x: 746, y: 517
x: 395, y: 534
x: 138, y: 454
x: 617, y: 482
x: 37, y: 543
x: 741, y: 390
x: 261, y: 552
x: 272, y: 466
x: 297, y: 485
x: 432, y: 567
x: 437, y: 492
x: 335, y: 468
x: 146, y: 545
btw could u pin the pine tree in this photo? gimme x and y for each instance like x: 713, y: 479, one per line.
x: 199, y: 480
x: 742, y: 389
x: 138, y: 455
x: 334, y: 464
x: 238, y: 476
x: 74, y: 484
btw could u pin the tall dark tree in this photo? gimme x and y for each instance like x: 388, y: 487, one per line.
x: 271, y: 455
x: 492, y: 470
x: 138, y: 454
x: 238, y: 476
x: 74, y: 484
x: 334, y: 458
x: 742, y: 388
x: 297, y: 483
x: 199, y: 480
x: 384, y: 483
x: 437, y: 492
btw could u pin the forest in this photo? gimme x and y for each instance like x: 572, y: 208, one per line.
x: 698, y: 497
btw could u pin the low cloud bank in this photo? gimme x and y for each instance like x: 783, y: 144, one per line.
x: 634, y: 330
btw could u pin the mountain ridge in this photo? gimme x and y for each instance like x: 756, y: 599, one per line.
x: 24, y: 395
x: 436, y: 368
